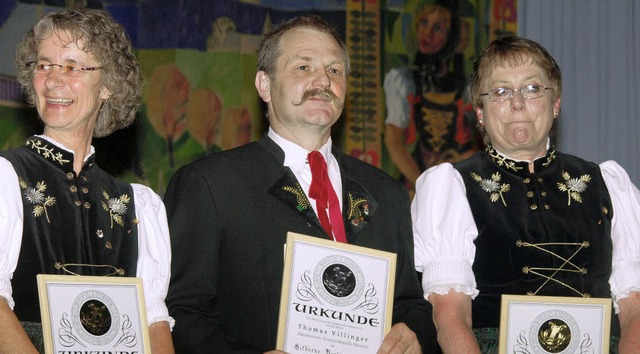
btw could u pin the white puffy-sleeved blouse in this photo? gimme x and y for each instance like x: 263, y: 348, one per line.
x: 444, y: 232
x: 153, y: 265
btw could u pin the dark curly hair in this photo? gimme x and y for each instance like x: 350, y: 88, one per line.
x: 97, y: 33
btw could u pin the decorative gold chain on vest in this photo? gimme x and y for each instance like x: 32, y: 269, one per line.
x: 552, y: 272
x: 115, y: 270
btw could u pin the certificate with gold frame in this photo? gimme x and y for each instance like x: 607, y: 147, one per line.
x: 336, y: 297
x: 553, y: 324
x: 92, y: 314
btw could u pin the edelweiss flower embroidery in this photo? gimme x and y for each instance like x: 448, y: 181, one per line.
x: 116, y: 207
x: 493, y: 186
x: 36, y: 197
x: 573, y: 186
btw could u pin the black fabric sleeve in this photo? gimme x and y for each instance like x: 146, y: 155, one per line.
x: 191, y: 211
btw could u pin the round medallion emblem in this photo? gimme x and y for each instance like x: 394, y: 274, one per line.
x: 339, y: 280
x: 554, y: 331
x: 95, y: 317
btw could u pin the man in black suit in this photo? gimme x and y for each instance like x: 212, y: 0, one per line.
x: 230, y: 212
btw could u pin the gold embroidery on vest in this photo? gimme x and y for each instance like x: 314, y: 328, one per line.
x: 116, y: 207
x: 114, y: 270
x: 45, y: 151
x: 502, y: 161
x: 437, y: 125
x: 573, y: 186
x: 539, y: 271
x: 493, y: 186
x: 550, y: 157
x: 36, y: 196
x: 134, y: 222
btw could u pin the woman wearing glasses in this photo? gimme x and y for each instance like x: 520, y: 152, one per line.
x: 59, y: 212
x: 521, y: 217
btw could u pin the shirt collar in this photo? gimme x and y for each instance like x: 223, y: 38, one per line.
x: 61, y: 146
x: 516, y: 160
x: 295, y: 156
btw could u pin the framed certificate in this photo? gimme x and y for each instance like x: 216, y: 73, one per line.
x: 336, y: 298
x: 550, y: 324
x: 89, y: 314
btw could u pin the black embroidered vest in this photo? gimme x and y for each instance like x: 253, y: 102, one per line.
x: 440, y: 118
x: 85, y: 219
x: 542, y: 233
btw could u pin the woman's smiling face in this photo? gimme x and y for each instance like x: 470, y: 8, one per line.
x: 65, y: 102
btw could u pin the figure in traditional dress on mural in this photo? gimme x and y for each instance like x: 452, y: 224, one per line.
x: 429, y: 121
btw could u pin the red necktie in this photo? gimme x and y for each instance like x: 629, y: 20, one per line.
x: 322, y: 191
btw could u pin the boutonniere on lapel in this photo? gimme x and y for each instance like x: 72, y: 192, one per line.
x: 358, y: 210
x: 493, y: 187
x: 116, y: 207
x: 573, y: 186
x: 302, y: 203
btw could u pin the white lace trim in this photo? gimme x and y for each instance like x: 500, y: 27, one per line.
x: 623, y: 295
x: 445, y: 288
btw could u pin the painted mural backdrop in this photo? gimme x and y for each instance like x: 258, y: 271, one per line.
x: 429, y: 48
x: 198, y: 60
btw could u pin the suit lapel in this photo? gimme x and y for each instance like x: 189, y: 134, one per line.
x: 358, y: 206
x: 288, y: 190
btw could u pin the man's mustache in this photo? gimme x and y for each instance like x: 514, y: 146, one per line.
x: 320, y: 93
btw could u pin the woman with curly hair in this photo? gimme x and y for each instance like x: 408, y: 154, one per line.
x: 60, y: 213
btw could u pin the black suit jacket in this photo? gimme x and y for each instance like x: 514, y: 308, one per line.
x: 229, y: 216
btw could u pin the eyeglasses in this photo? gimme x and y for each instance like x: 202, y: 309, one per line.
x: 72, y: 70
x: 530, y: 91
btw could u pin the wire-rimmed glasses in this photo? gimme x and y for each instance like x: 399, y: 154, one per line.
x: 72, y: 70
x: 529, y: 91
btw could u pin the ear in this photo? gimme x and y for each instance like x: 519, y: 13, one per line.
x: 556, y: 108
x: 480, y: 115
x: 105, y: 93
x: 263, y: 85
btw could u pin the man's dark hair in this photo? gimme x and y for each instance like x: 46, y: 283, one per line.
x: 270, y: 47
